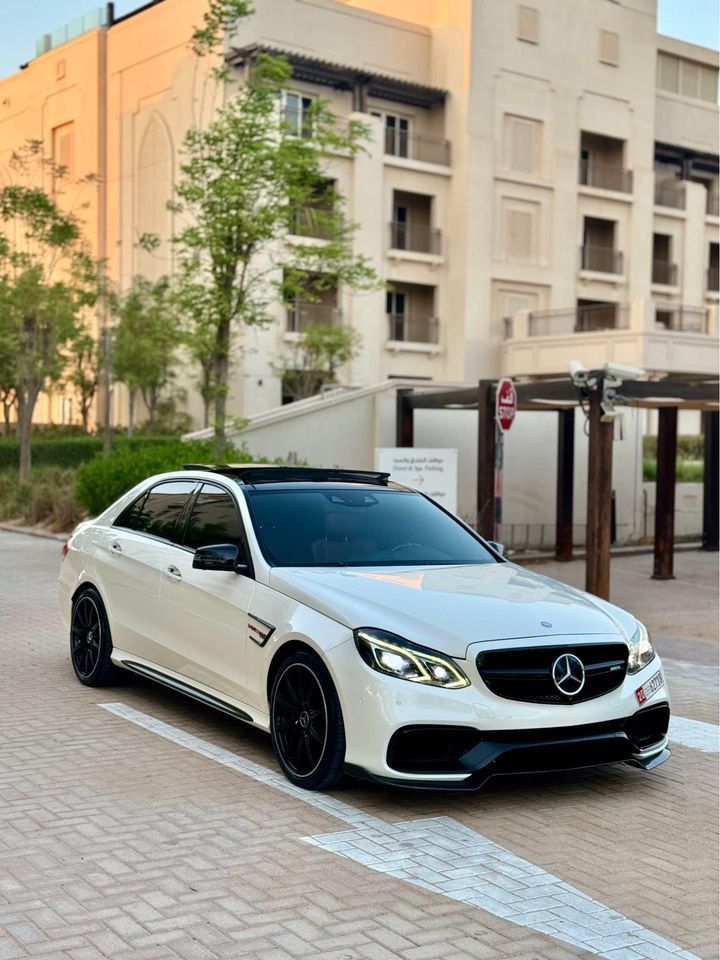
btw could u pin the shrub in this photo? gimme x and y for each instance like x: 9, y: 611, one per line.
x: 689, y: 447
x: 686, y: 471
x: 106, y: 477
x: 68, y: 451
x: 47, y: 498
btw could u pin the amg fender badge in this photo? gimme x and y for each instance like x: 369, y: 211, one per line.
x: 259, y: 630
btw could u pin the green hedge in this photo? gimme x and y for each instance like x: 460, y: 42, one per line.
x: 106, y: 477
x: 686, y: 471
x: 72, y: 451
x: 689, y: 447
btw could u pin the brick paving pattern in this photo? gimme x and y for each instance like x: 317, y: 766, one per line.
x: 115, y: 842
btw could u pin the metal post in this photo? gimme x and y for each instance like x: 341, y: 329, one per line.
x: 599, y: 499
x: 486, y: 457
x: 711, y: 481
x: 665, y: 494
x: 404, y: 426
x: 565, y: 475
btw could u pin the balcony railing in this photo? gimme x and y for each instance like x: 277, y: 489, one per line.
x: 302, y: 315
x: 664, y: 272
x: 405, y: 328
x: 713, y: 279
x: 670, y: 193
x: 310, y: 223
x: 712, y: 206
x: 585, y: 319
x: 605, y: 176
x: 416, y: 237
x: 601, y: 259
x: 681, y: 318
x: 413, y: 146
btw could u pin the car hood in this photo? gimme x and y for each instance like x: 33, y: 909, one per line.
x: 448, y: 608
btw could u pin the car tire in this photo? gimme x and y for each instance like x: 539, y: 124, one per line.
x: 306, y: 723
x: 91, y: 641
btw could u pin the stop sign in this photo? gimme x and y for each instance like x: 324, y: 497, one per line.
x: 505, y: 404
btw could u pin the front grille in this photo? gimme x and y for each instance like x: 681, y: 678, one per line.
x: 525, y: 673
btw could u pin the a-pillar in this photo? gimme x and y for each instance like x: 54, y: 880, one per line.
x: 599, y: 499
x: 665, y: 494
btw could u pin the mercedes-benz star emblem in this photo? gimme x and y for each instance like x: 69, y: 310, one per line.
x: 568, y: 674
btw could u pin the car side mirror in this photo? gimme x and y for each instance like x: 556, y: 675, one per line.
x: 497, y: 547
x: 220, y: 556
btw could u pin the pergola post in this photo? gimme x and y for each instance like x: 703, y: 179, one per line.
x: 599, y: 499
x: 711, y: 481
x: 486, y: 459
x: 565, y: 474
x: 404, y: 419
x: 665, y: 494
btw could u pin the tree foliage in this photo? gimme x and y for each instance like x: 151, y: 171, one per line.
x: 315, y: 358
x: 145, y: 343
x: 48, y: 280
x: 244, y: 180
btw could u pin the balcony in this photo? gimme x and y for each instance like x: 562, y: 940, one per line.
x: 407, y: 328
x: 601, y: 259
x: 413, y: 146
x: 302, y: 315
x: 670, y: 193
x: 311, y: 223
x: 657, y: 337
x: 713, y: 279
x: 418, y: 238
x: 712, y: 206
x: 664, y: 273
x: 605, y: 176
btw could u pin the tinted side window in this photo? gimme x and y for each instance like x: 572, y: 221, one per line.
x: 214, y: 519
x: 159, y: 512
x: 131, y: 516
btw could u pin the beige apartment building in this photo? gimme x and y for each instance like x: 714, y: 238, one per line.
x: 540, y: 184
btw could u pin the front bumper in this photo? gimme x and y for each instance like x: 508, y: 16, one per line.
x: 410, y: 735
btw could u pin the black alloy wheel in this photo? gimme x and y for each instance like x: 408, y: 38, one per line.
x: 307, y: 727
x: 90, y: 641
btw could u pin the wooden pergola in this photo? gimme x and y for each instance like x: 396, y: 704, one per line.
x: 562, y: 396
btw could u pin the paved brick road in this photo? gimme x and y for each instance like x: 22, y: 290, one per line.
x: 117, y: 843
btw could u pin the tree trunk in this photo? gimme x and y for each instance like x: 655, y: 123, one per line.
x: 6, y: 419
x: 131, y: 412
x: 221, y: 370
x: 26, y: 407
x: 85, y: 413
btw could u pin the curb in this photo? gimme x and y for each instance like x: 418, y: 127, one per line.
x: 614, y: 554
x: 29, y: 532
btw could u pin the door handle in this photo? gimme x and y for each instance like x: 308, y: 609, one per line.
x: 173, y: 572
x: 115, y: 547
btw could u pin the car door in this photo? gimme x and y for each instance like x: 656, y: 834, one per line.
x: 130, y: 558
x: 204, y: 612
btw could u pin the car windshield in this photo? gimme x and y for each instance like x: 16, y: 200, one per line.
x: 328, y: 526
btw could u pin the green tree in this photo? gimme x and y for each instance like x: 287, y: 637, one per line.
x: 314, y: 360
x: 145, y: 343
x: 244, y: 178
x: 8, y: 376
x: 48, y: 280
x: 85, y: 371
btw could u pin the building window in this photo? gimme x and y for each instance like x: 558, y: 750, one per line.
x: 528, y: 24
x: 687, y: 78
x: 298, y: 114
x: 397, y: 133
x: 521, y: 144
x: 609, y: 48
x: 63, y: 148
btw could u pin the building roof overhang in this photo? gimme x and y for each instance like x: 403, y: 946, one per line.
x: 342, y: 77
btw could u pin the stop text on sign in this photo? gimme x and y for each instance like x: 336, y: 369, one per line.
x: 505, y: 404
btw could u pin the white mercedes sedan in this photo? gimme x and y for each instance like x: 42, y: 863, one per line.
x: 366, y: 628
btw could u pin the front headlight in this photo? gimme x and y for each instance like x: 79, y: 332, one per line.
x: 395, y: 657
x: 641, y: 650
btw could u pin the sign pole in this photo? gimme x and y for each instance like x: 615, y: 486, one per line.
x: 505, y: 409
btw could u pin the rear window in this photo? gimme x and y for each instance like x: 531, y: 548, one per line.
x: 158, y: 511
x: 355, y: 527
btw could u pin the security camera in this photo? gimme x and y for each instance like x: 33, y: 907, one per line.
x: 621, y: 371
x: 577, y: 372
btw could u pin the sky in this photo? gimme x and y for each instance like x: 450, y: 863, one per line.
x: 21, y: 24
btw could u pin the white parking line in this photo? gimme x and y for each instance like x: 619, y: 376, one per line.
x: 446, y: 857
x: 695, y: 733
